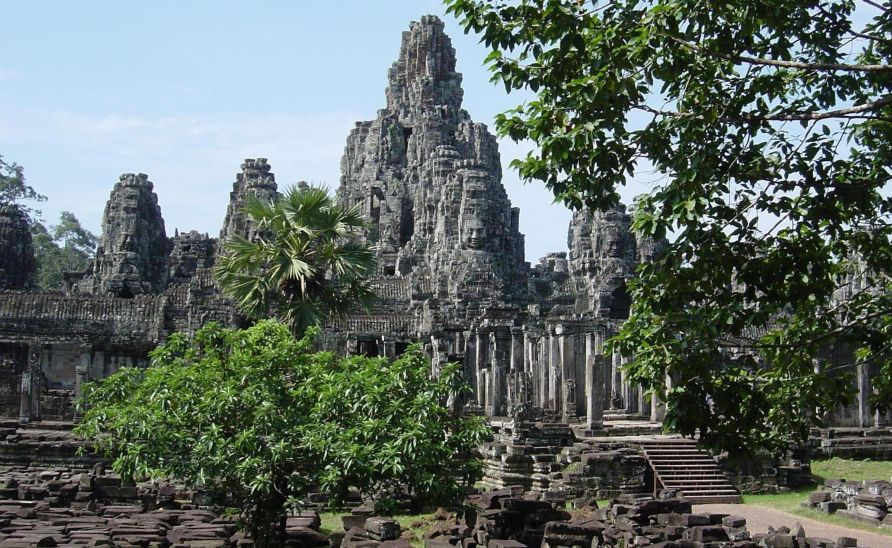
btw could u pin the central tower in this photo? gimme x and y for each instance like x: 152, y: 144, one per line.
x: 428, y: 180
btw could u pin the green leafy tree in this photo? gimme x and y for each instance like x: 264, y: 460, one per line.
x: 14, y: 190
x: 766, y: 126
x: 307, y: 264
x: 258, y: 418
x: 65, y: 247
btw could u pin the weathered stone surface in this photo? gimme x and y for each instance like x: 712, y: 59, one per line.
x: 429, y: 180
x: 16, y: 250
x: 132, y: 255
x: 256, y: 179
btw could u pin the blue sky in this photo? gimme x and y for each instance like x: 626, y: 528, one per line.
x: 183, y: 91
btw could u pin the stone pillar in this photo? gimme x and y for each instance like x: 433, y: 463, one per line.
x: 631, y: 397
x: 497, y: 376
x: 568, y: 373
x: 388, y: 348
x: 517, y: 353
x: 616, y: 397
x: 643, y: 403
x: 486, y: 376
x: 657, y: 406
x: 438, y: 355
x: 25, y: 398
x: 865, y: 417
x: 480, y: 363
x: 595, y: 365
x: 81, y: 371
x: 542, y: 365
x: 35, y: 364
x: 554, y: 373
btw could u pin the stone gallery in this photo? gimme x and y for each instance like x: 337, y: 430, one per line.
x: 451, y: 272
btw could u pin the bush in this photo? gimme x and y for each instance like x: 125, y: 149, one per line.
x: 259, y: 418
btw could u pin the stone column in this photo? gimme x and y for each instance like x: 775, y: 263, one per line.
x: 594, y: 385
x: 497, y: 377
x: 541, y: 372
x: 517, y: 350
x: 480, y: 363
x: 568, y: 373
x: 618, y: 388
x: 657, y: 407
x: 25, y: 398
x: 486, y: 376
x: 631, y: 398
x: 82, y: 376
x: 554, y: 372
x: 438, y: 355
x: 643, y: 403
x: 865, y: 417
x: 388, y: 348
x: 35, y: 364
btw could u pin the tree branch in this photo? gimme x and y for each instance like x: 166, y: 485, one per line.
x: 785, y: 64
x: 849, y: 112
x: 876, y: 5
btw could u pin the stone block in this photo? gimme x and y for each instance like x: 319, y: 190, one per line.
x: 380, y: 528
x: 733, y: 521
x: 695, y: 520
x: 818, y: 497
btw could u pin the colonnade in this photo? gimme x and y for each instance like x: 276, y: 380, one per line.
x: 562, y: 369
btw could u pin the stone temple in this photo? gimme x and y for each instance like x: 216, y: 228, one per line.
x: 451, y: 272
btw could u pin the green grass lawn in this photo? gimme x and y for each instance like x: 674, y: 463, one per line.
x: 417, y: 524
x: 852, y: 470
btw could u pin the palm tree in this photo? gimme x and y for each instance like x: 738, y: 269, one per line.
x: 308, y: 263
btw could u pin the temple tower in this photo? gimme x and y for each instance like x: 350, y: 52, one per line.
x: 132, y: 255
x: 16, y: 250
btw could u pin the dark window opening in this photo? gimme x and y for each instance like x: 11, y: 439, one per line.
x: 407, y: 132
x: 407, y: 226
x: 368, y: 348
x: 401, y: 348
x: 125, y: 292
x: 390, y: 270
x: 620, y: 303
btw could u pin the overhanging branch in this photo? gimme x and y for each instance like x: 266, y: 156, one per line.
x: 826, y: 67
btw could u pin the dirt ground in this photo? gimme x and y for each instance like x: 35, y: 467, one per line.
x: 759, y: 518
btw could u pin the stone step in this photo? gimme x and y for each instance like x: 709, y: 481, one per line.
x: 682, y: 465
x: 714, y: 499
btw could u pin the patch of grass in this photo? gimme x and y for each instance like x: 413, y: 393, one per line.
x: 852, y: 470
x: 331, y: 522
x: 417, y: 524
x: 791, y: 503
x: 786, y: 502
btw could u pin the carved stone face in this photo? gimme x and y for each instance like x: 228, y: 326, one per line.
x: 474, y: 231
x: 473, y: 234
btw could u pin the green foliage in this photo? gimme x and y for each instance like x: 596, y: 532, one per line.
x: 14, y: 190
x: 769, y: 128
x: 66, y: 247
x: 258, y: 418
x: 308, y: 265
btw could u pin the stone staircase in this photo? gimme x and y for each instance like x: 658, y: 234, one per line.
x: 680, y: 464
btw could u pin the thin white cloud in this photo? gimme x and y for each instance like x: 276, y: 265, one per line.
x: 76, y: 158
